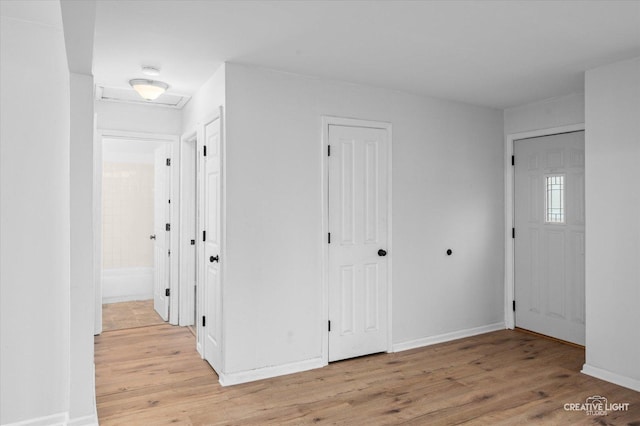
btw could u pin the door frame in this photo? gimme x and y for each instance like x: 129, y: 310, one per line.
x: 327, y: 121
x: 187, y: 307
x: 509, y: 206
x: 175, y: 215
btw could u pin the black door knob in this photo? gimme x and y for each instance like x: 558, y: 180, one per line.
x: 152, y: 237
x: 214, y: 259
x: 382, y: 252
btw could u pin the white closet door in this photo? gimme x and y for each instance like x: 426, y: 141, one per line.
x: 358, y: 281
x: 210, y: 260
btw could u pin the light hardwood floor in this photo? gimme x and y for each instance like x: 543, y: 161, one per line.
x: 153, y: 376
x: 140, y: 313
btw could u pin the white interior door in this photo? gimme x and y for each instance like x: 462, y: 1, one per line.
x: 358, y: 281
x: 211, y: 290
x: 161, y: 214
x: 550, y: 236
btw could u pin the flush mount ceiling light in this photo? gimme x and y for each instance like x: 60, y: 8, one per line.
x: 148, y: 89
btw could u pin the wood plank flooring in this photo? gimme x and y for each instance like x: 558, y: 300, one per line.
x: 139, y: 313
x: 153, y: 376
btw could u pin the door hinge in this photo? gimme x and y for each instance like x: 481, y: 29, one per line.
x: 204, y: 150
x: 167, y: 227
x: 514, y: 306
x: 329, y: 150
x: 168, y: 161
x: 329, y: 238
x: 167, y: 292
x: 193, y: 242
x: 329, y: 325
x: 513, y: 160
x: 204, y: 320
x: 204, y: 235
x: 513, y: 232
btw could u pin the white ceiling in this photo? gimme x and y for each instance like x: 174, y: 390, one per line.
x: 42, y: 12
x: 492, y: 53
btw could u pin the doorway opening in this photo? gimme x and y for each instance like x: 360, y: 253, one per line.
x: 135, y: 210
x: 188, y: 231
x: 134, y: 184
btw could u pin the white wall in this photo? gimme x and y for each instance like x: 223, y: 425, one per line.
x: 447, y: 193
x: 138, y: 118
x: 34, y: 216
x: 82, y: 404
x: 612, y: 151
x: 546, y: 114
x: 205, y: 102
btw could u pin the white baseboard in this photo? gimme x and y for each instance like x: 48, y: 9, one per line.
x: 91, y: 420
x: 62, y: 419
x: 59, y: 419
x: 128, y: 298
x: 609, y: 376
x: 268, y: 372
x: 441, y: 338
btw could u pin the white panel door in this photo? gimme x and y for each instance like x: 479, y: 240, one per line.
x: 550, y: 236
x: 161, y: 214
x: 358, y: 281
x: 210, y: 261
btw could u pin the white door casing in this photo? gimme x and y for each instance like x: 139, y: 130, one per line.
x: 210, y: 290
x: 161, y: 242
x: 358, y: 276
x: 549, y: 253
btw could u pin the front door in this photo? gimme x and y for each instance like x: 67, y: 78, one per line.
x: 161, y: 214
x: 358, y: 206
x: 550, y: 236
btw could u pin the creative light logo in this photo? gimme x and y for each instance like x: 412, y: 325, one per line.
x: 596, y: 405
